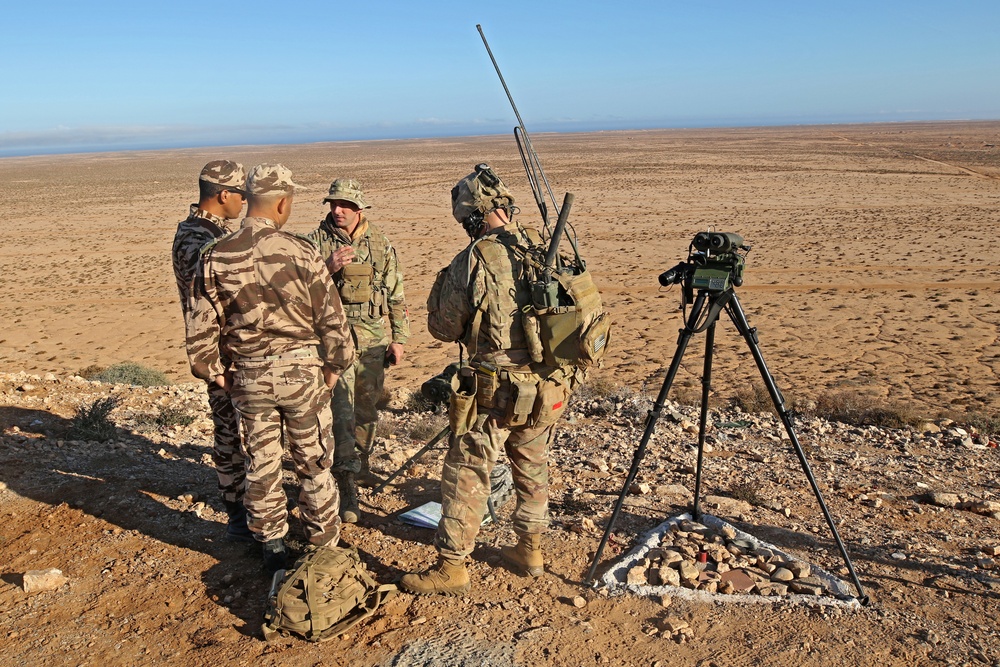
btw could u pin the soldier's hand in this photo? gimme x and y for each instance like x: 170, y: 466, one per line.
x: 225, y: 381
x: 330, y: 377
x: 394, y: 353
x: 340, y: 258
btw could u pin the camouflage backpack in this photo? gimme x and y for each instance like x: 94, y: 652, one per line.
x: 326, y: 593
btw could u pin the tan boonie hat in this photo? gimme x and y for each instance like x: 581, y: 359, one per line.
x: 347, y: 189
x: 226, y: 173
x: 482, y: 191
x: 271, y: 179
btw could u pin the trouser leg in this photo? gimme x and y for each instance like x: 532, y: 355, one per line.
x: 368, y: 386
x: 345, y: 456
x: 528, y: 451
x: 227, y: 454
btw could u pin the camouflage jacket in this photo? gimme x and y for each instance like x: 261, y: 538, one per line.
x: 488, y: 278
x: 264, y: 292
x: 193, y: 234
x: 371, y: 247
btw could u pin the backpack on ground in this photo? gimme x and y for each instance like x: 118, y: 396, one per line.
x: 326, y: 593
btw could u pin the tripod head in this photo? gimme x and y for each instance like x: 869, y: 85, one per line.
x: 714, y: 265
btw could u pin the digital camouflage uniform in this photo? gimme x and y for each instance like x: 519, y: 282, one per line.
x: 266, y: 301
x: 486, y: 282
x: 193, y: 234
x: 360, y: 387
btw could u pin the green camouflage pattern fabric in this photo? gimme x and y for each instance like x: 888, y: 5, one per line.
x: 270, y: 395
x: 225, y: 173
x: 355, y: 416
x: 487, y: 276
x: 347, y: 189
x: 371, y: 246
x: 264, y: 292
x: 268, y: 180
x: 199, y: 229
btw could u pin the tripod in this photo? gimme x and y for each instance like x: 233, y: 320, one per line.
x: 716, y: 300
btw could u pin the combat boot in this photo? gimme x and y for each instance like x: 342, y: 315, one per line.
x: 349, y: 510
x: 364, y: 476
x: 525, y: 557
x: 449, y: 578
x: 237, y: 529
x: 275, y: 555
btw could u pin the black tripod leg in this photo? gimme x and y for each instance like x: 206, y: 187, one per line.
x: 706, y: 387
x: 738, y: 317
x: 430, y: 445
x: 682, y: 341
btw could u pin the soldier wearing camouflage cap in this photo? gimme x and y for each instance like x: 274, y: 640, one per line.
x: 369, y: 280
x: 266, y: 302
x: 222, y: 186
x: 513, y: 402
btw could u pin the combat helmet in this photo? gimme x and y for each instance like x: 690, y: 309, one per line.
x: 477, y: 195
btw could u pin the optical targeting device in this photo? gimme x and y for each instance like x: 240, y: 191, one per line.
x: 714, y: 264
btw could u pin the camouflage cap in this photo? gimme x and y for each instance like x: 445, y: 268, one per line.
x: 347, y: 189
x: 226, y: 173
x: 271, y: 179
x: 482, y: 191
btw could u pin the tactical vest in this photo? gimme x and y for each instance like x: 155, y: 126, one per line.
x: 361, y: 283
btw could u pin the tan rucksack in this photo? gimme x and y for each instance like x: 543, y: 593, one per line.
x: 326, y: 593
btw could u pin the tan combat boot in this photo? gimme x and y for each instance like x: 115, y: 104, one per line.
x: 349, y: 510
x: 449, y: 578
x: 525, y: 557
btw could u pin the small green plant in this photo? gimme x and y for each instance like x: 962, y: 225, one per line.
x: 128, y: 372
x: 93, y: 422
x: 748, y: 491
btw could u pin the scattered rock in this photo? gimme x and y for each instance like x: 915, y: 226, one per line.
x: 34, y: 581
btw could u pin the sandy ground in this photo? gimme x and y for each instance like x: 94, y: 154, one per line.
x: 873, y: 269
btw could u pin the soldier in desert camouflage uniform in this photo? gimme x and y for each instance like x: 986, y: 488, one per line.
x: 479, y: 300
x: 221, y: 188
x: 266, y: 301
x: 370, y: 281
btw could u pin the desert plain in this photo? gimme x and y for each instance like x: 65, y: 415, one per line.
x: 874, y: 270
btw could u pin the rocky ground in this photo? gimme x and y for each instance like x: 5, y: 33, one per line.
x: 134, y: 526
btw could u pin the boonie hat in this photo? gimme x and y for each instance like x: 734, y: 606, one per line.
x: 226, y: 173
x: 347, y: 189
x: 482, y: 191
x: 271, y: 179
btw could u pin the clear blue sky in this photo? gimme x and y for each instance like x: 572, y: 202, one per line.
x: 105, y: 75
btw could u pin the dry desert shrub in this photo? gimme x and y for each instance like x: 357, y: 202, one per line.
x: 753, y: 399
x: 167, y: 416
x: 860, y: 409
x: 748, y: 491
x: 984, y: 422
x: 128, y: 372
x: 427, y: 427
x: 93, y: 422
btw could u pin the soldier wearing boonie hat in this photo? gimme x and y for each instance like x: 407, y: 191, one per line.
x: 368, y: 277
x: 266, y: 301
x: 221, y: 188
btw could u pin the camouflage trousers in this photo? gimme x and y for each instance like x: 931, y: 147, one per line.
x: 269, y: 395
x: 354, y: 413
x: 227, y: 454
x: 465, y: 482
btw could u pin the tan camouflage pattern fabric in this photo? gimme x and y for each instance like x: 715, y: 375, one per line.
x: 267, y: 180
x: 199, y: 229
x: 270, y: 395
x: 264, y: 292
x: 347, y: 189
x: 355, y: 416
x: 487, y: 278
x: 226, y: 173
x: 472, y: 194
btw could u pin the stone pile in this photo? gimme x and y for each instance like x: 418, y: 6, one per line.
x: 696, y: 557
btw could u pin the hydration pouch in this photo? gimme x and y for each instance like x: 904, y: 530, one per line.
x: 356, y: 286
x: 462, y: 411
x: 522, y: 402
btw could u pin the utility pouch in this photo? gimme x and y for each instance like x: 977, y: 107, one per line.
x: 522, y: 402
x: 594, y: 341
x: 356, y: 285
x: 462, y: 406
x: 560, y: 332
x: 532, y: 334
x: 487, y: 383
x: 550, y: 403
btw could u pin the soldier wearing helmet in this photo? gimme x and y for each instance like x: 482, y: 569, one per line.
x: 502, y: 400
x: 369, y: 279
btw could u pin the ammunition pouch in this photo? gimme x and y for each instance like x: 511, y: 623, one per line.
x: 462, y: 411
x: 551, y: 401
x: 521, y: 404
x: 356, y: 282
x: 487, y: 383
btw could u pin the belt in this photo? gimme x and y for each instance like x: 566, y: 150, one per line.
x: 301, y: 353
